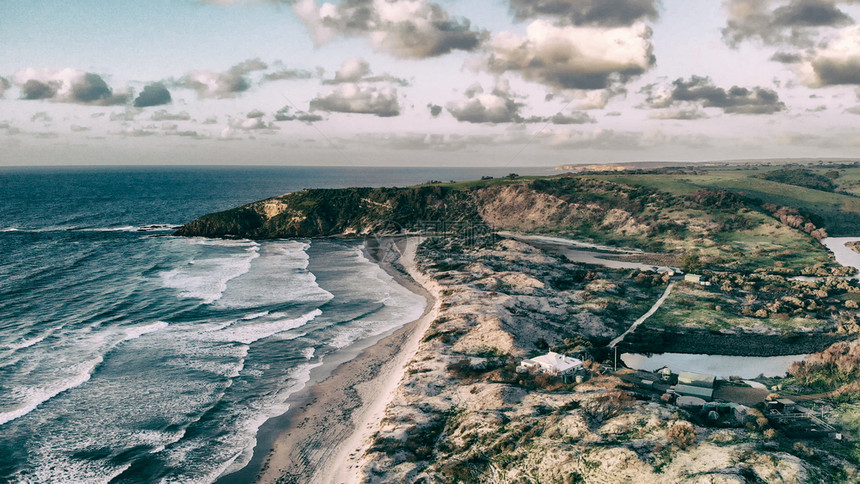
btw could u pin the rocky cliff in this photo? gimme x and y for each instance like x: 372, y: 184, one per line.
x: 332, y: 212
x: 593, y: 208
x: 724, y: 226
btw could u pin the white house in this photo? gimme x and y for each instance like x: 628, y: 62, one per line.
x: 552, y: 363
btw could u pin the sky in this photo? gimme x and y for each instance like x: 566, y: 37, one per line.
x: 493, y: 83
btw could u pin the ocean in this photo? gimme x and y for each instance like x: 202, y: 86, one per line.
x: 130, y: 355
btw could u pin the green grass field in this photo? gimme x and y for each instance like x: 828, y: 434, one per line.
x: 839, y: 213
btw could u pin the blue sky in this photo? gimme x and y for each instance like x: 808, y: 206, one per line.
x: 416, y: 82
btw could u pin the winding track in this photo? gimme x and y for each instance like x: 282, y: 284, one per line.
x: 645, y: 316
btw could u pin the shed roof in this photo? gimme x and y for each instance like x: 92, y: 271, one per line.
x: 696, y: 379
x: 687, y: 401
x: 705, y: 393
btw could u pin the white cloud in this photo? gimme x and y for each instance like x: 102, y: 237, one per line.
x: 568, y: 57
x: 402, y: 28
x: 354, y: 98
x: 66, y: 85
x: 838, y: 62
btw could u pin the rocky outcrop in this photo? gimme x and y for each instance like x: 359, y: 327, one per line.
x: 544, y: 205
x: 333, y: 212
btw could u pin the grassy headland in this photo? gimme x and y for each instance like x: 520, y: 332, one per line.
x: 463, y: 414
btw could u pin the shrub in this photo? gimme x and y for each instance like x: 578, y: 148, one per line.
x: 681, y: 434
x: 606, y: 405
x: 802, y: 449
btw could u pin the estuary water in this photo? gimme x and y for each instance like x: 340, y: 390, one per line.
x: 129, y: 355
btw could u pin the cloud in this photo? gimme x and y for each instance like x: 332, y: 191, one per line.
x: 209, y: 84
x: 435, y: 110
x: 163, y: 115
x: 786, y: 58
x: 576, y: 117
x: 679, y: 114
x: 4, y: 85
x: 501, y: 106
x: 41, y: 116
x: 256, y: 113
x: 33, y: 90
x: 127, y: 114
x: 612, y: 13
x: 358, y: 70
x: 794, y: 23
x: 809, y: 13
x: 599, y: 98
x: 607, y: 139
x: 138, y: 132
x: 352, y: 70
x: 250, y: 124
x: 353, y: 98
x: 402, y: 28
x: 424, y: 141
x: 154, y: 94
x: 836, y: 63
x: 173, y: 130
x: 283, y: 114
x: 701, y: 92
x: 569, y: 57
x: 288, y: 75
x: 497, y: 106
x: 66, y: 85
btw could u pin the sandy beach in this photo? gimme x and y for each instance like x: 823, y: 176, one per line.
x: 330, y: 426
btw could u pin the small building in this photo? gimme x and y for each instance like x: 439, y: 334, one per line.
x: 690, y: 402
x: 740, y: 412
x: 696, y: 379
x: 696, y: 279
x: 706, y: 394
x: 553, y: 363
x: 782, y: 405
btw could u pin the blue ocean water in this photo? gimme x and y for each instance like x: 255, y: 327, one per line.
x: 129, y: 355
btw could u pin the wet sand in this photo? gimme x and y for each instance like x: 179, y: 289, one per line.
x: 323, y: 435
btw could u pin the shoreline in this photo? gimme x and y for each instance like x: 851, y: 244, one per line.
x: 322, y: 436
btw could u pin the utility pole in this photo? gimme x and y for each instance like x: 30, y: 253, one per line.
x: 616, y: 359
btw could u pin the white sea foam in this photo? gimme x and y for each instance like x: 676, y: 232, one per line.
x: 235, y: 448
x: 279, y: 275
x: 137, y: 332
x: 206, y: 278
x: 61, y: 469
x: 25, y: 343
x: 308, y: 353
x: 248, y: 333
x: 35, y: 395
x: 399, y: 305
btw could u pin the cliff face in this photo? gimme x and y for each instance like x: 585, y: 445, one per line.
x: 560, y: 204
x: 325, y: 212
x: 724, y: 226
